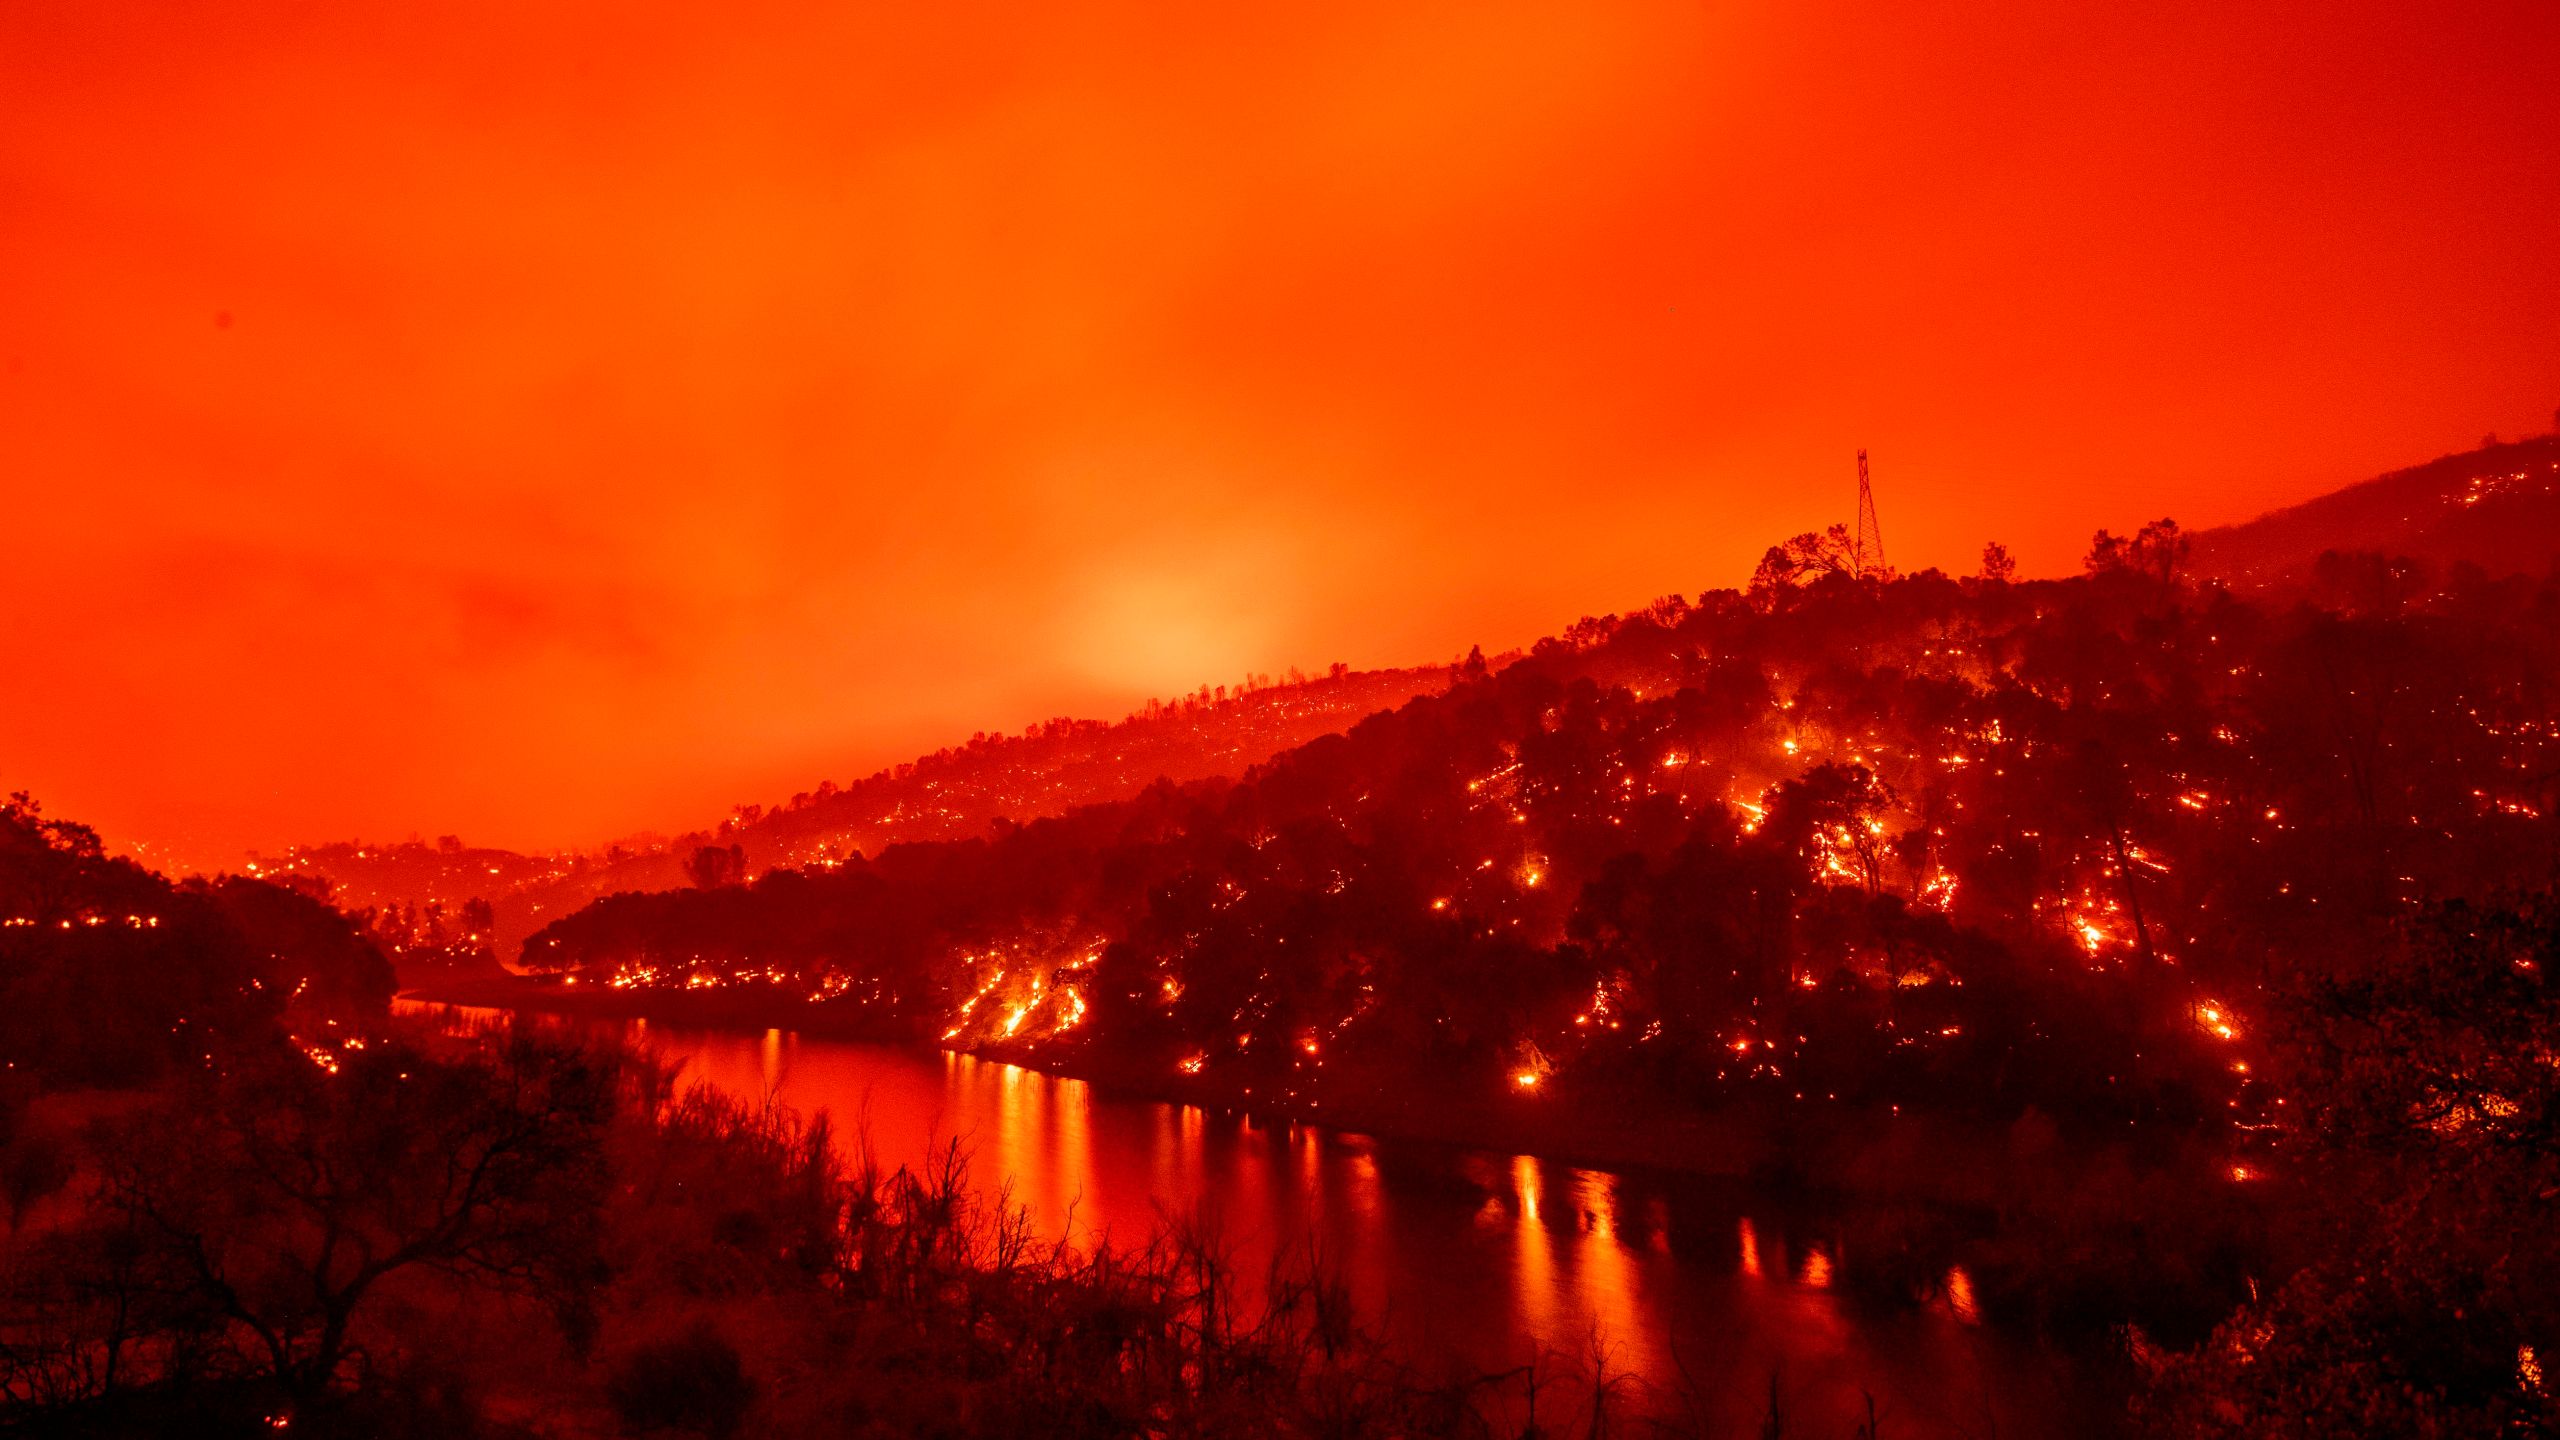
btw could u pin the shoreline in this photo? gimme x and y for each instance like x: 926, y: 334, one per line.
x: 1516, y: 1125
x: 1836, y: 1153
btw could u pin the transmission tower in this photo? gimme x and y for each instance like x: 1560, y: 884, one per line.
x: 1869, y: 558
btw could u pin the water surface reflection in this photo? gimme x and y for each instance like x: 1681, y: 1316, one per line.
x: 1459, y: 1256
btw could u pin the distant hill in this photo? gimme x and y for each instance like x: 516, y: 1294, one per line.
x: 952, y: 794
x: 2497, y: 507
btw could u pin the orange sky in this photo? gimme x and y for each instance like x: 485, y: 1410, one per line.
x: 544, y: 421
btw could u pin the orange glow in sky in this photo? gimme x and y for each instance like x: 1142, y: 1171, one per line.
x: 541, y: 421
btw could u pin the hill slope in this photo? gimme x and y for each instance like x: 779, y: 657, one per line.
x: 1973, y: 846
x: 2497, y: 507
x: 951, y: 794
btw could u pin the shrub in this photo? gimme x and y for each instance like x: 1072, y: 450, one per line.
x: 692, y: 1382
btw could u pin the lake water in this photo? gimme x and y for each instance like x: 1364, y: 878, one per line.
x: 1458, y: 1256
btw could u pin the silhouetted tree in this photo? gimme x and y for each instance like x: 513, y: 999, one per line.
x: 1805, y: 559
x: 1997, y: 565
x: 2158, y: 550
x: 712, y: 866
x: 266, y: 1206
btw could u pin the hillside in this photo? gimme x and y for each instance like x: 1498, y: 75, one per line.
x: 111, y: 974
x: 420, y: 891
x: 1968, y: 845
x: 2497, y: 507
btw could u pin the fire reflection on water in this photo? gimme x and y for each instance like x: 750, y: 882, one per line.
x: 1609, y: 1278
x: 1535, y: 1267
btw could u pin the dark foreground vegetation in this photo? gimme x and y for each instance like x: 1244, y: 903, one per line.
x: 512, y: 1234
